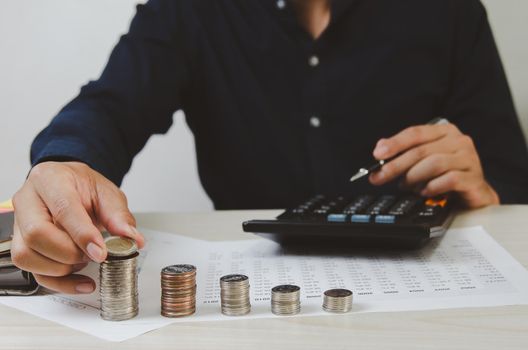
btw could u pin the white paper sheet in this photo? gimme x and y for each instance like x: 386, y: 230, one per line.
x: 466, y: 268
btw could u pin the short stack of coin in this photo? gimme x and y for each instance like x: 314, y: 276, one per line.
x: 118, y: 280
x: 178, y: 290
x: 337, y: 300
x: 286, y: 300
x: 234, y: 295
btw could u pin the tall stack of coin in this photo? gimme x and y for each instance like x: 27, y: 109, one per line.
x: 337, y: 300
x: 118, y: 280
x: 286, y: 300
x: 234, y: 295
x: 178, y: 290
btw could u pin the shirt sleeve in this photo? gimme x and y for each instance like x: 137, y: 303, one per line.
x: 141, y: 87
x: 480, y: 103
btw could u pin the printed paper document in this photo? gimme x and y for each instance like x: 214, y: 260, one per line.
x: 465, y: 268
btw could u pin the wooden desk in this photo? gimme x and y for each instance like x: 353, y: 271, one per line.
x: 477, y: 328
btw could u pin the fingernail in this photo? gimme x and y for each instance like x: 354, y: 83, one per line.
x: 85, y: 288
x: 95, y: 252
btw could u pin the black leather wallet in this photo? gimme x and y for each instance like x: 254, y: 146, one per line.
x: 13, y: 281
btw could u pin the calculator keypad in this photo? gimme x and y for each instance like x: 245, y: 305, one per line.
x: 365, y: 209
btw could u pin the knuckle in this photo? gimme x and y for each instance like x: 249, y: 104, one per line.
x: 122, y: 196
x: 39, y: 170
x: 129, y: 218
x: 432, y: 190
x: 408, y: 180
x: 73, y: 256
x: 16, y: 199
x: 389, y: 169
x: 453, y: 179
x: 19, y: 256
x: 416, y: 133
x: 393, y: 143
x: 79, y: 234
x: 43, y: 281
x: 467, y: 141
x: 32, y: 233
x: 439, y: 163
x: 420, y: 152
x: 39, y: 279
x: 451, y: 128
x: 62, y: 270
x: 61, y: 206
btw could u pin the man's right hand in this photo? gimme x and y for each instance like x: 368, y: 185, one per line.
x: 60, y: 212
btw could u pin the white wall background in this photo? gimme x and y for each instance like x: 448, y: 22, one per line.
x: 48, y: 49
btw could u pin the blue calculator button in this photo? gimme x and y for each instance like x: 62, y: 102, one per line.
x: 336, y: 218
x: 360, y: 218
x: 385, y: 219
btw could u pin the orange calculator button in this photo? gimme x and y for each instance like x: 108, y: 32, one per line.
x: 436, y: 202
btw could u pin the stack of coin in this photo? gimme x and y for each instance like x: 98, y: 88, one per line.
x: 285, y: 300
x: 234, y: 295
x: 337, y: 300
x: 178, y: 290
x: 118, y: 280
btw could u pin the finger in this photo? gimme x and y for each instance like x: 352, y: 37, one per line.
x: 27, y: 259
x: 451, y: 181
x: 63, y: 201
x: 113, y: 213
x: 38, y: 231
x: 436, y: 165
x: 407, y: 160
x: 412, y: 137
x: 71, y: 284
x: 79, y: 267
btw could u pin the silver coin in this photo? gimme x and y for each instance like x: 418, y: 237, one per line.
x: 338, y: 293
x: 118, y: 284
x: 234, y: 295
x: 120, y: 246
x: 285, y: 300
x: 234, y: 278
x: 337, y: 300
x: 286, y: 288
x: 178, y: 269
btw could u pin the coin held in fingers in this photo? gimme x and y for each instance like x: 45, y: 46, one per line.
x: 120, y: 246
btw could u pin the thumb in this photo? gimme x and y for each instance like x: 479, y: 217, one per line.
x: 113, y: 213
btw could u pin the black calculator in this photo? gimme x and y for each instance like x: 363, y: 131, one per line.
x: 393, y: 220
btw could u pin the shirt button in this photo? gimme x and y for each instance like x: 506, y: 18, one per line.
x: 281, y: 4
x: 315, y: 122
x: 313, y: 61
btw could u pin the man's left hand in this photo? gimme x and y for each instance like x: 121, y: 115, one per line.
x: 435, y: 159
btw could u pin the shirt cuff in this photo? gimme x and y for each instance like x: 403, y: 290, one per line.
x: 72, y: 149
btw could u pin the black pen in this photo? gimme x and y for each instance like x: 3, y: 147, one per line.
x: 377, y: 166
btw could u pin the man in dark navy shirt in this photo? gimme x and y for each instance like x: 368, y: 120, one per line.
x: 285, y: 99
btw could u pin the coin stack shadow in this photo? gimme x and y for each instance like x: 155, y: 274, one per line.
x: 286, y: 300
x: 337, y: 300
x: 234, y: 295
x: 178, y: 290
x: 118, y: 287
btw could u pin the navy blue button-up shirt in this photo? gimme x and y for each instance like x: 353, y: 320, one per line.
x: 278, y: 116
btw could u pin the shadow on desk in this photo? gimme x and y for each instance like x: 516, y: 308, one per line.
x: 357, y: 248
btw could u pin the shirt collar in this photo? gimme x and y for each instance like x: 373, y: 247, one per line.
x: 339, y: 7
